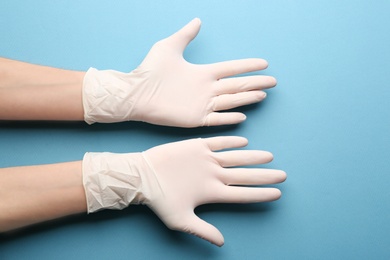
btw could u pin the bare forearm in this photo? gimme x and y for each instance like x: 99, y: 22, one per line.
x: 33, y: 194
x: 34, y: 92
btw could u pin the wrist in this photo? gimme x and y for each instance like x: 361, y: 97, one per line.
x: 106, y: 96
x: 114, y: 181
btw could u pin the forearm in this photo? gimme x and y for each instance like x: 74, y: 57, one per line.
x: 34, y: 92
x: 33, y: 194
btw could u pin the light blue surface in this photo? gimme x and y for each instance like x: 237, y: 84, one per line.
x: 327, y: 123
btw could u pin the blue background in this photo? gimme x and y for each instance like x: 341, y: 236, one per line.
x: 327, y: 123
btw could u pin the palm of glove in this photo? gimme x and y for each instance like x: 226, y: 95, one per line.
x: 174, y: 92
x: 190, y: 174
x: 167, y: 99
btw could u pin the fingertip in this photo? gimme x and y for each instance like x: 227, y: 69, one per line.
x: 260, y: 95
x: 197, y: 20
x: 239, y: 141
x: 272, y: 81
x: 278, y: 194
x: 282, y: 177
x: 244, y: 141
x: 262, y: 63
x: 278, y: 176
x: 204, y: 230
x: 271, y: 194
x: 257, y: 64
x: 220, y: 243
x: 218, y: 240
x: 242, y: 117
x: 181, y: 38
x: 269, y: 156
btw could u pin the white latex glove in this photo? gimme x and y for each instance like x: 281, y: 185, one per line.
x: 173, y: 179
x: 167, y: 90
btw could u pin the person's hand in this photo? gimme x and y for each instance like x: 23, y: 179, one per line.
x: 167, y: 90
x: 173, y: 179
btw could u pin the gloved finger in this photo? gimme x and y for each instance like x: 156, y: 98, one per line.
x: 250, y: 176
x: 228, y: 101
x: 226, y: 118
x: 235, y: 67
x: 243, y: 157
x: 204, y: 230
x: 225, y: 142
x: 185, y: 35
x: 243, y: 84
x: 234, y: 194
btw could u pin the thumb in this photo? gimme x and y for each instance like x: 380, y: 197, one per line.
x: 185, y: 35
x: 204, y: 230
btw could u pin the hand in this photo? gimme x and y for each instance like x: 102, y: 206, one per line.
x: 173, y: 179
x: 167, y: 90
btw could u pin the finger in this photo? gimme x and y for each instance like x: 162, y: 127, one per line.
x: 242, y: 84
x: 225, y: 142
x: 243, y: 157
x: 226, y: 118
x: 241, y: 176
x: 185, y: 35
x: 204, y: 230
x: 229, y: 101
x: 235, y: 67
x: 234, y: 194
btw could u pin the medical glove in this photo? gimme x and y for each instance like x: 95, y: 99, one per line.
x: 165, y: 89
x: 174, y: 178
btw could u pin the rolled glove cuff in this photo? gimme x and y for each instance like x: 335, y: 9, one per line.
x: 113, y: 181
x: 107, y: 96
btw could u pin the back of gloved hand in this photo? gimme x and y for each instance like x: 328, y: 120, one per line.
x: 167, y: 90
x: 173, y: 179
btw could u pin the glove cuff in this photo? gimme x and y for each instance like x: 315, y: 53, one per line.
x: 107, y: 96
x: 113, y: 181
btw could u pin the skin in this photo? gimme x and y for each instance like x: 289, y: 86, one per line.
x: 33, y: 194
x: 34, y: 92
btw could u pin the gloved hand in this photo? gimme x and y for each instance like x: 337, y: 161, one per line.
x: 167, y: 90
x: 173, y: 179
